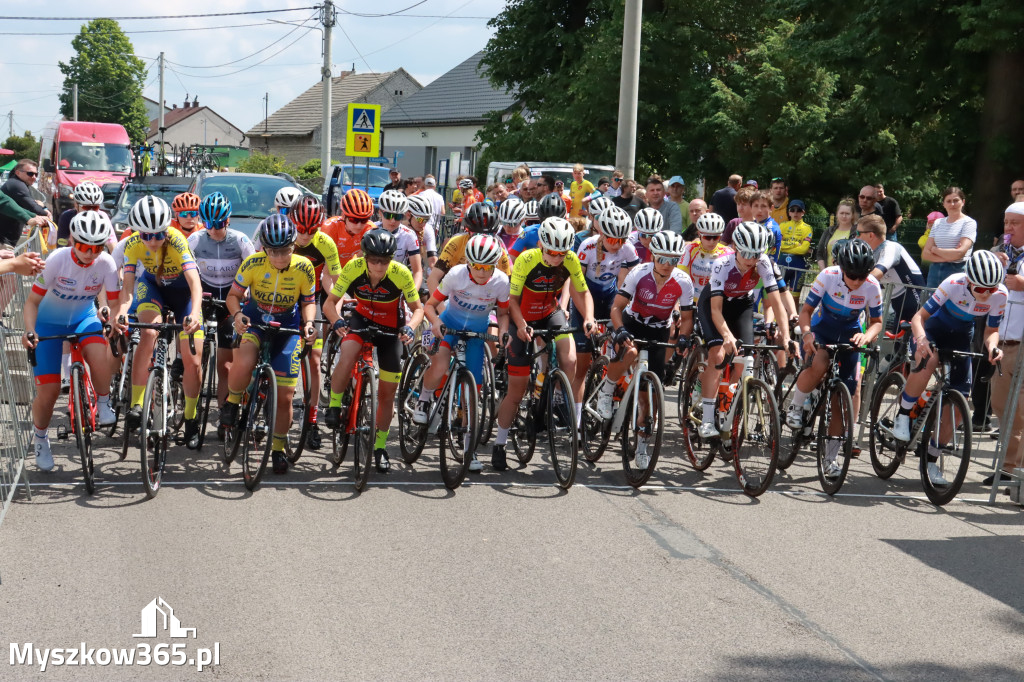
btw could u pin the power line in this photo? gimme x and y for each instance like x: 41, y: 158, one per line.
x: 151, y: 30
x: 224, y: 75
x: 164, y: 16
x: 242, y: 59
x: 389, y: 14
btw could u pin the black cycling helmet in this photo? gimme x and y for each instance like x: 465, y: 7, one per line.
x: 837, y: 246
x: 480, y: 218
x: 277, y: 231
x: 856, y: 259
x: 551, y: 206
x: 379, y: 242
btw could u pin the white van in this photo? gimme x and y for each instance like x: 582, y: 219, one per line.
x: 498, y: 171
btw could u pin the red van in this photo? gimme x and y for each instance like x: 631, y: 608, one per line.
x: 74, y: 151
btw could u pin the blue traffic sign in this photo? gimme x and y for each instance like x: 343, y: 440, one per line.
x: 363, y: 121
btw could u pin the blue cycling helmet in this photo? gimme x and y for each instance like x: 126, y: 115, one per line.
x: 214, y: 210
x: 277, y: 231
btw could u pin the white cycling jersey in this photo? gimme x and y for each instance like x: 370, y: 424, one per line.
x: 219, y: 261
x: 408, y: 244
x: 835, y: 303
x: 601, y: 270
x: 954, y: 306
x: 470, y: 304
x: 68, y: 288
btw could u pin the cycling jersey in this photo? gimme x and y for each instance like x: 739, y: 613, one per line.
x: 380, y: 303
x: 836, y: 304
x: 577, y: 191
x: 469, y: 303
x: 897, y: 267
x: 218, y: 261
x: 696, y: 262
x: 408, y: 244
x: 954, y: 306
x: 454, y: 253
x: 171, y: 260
x: 727, y: 280
x: 601, y: 268
x: 507, y: 240
x: 642, y: 252
x: 349, y: 245
x: 539, y: 285
x: 321, y: 251
x: 275, y: 293
x: 796, y: 237
x: 530, y: 239
x: 650, y: 305
x: 68, y: 288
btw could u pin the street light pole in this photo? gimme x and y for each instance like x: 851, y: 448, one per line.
x: 629, y: 89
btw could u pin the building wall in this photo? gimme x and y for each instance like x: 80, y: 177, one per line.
x: 190, y: 131
x: 297, y: 149
x: 438, y: 144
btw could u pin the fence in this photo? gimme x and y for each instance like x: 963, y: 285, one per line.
x: 983, y: 453
x: 16, y: 383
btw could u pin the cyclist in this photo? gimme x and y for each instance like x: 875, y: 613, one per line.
x: 168, y: 281
x: 726, y: 306
x: 281, y: 286
x: 947, y: 320
x: 550, y: 206
x: 469, y: 195
x: 392, y: 205
x: 593, y: 210
x: 378, y: 283
x: 286, y: 198
x: 473, y: 291
x: 511, y: 215
x: 419, y: 215
x: 536, y: 284
x: 700, y: 254
x: 219, y: 252
x: 531, y: 219
x: 186, y: 213
x: 87, y: 196
x: 347, y: 230
x: 831, y: 314
x: 647, y: 223
x: 893, y: 265
x: 73, y: 277
x: 479, y: 219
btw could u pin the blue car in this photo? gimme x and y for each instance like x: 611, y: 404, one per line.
x: 344, y: 177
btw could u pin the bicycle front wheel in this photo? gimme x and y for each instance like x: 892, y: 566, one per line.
x: 691, y: 413
x: 949, y: 421
x: 411, y: 436
x: 366, y: 429
x: 153, y: 439
x: 523, y: 434
x: 83, y: 438
x: 257, y: 440
x: 488, y: 399
x: 835, y: 438
x: 755, y: 438
x: 595, y: 432
x: 301, y: 414
x: 461, y: 428
x: 886, y: 452
x: 642, y: 441
x: 561, y: 418
x: 208, y: 385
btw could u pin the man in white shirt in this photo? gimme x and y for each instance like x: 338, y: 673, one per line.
x: 1011, y: 253
x: 436, y: 200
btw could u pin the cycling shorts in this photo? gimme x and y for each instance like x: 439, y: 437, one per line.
x: 225, y: 330
x: 389, y: 348
x: 738, y: 313
x: 520, y: 355
x: 176, y: 298
x: 905, y: 306
x: 285, y: 349
x: 655, y: 356
x: 951, y: 338
x: 602, y: 311
x: 48, y: 353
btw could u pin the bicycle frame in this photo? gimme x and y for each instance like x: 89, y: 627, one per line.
x: 934, y: 401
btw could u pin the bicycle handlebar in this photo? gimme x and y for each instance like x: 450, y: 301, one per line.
x: 468, y: 334
x: 949, y: 354
x: 170, y: 325
x: 73, y: 338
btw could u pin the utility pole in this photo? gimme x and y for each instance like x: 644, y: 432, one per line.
x: 162, y: 163
x: 10, y: 123
x: 629, y: 89
x: 74, y: 101
x: 327, y: 18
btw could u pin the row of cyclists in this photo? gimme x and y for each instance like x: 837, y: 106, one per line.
x: 520, y: 268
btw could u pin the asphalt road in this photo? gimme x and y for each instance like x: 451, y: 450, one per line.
x: 511, y: 578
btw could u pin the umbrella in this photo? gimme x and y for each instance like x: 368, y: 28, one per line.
x: 6, y: 151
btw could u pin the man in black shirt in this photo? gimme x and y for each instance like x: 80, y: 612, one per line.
x: 723, y: 202
x: 396, y: 180
x: 892, y: 214
x: 628, y: 201
x: 17, y: 187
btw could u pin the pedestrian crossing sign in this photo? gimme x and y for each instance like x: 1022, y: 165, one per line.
x: 362, y: 136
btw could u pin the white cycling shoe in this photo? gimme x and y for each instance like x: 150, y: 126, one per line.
x: 105, y: 415
x: 421, y: 413
x: 605, y: 405
x: 475, y: 464
x: 901, y: 429
x: 706, y: 430
x: 935, y: 476
x: 795, y: 417
x: 44, y: 458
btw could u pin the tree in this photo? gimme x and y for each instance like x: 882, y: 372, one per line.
x: 24, y: 146
x: 268, y: 164
x: 110, y: 79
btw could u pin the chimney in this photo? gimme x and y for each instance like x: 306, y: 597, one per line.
x: 174, y: 106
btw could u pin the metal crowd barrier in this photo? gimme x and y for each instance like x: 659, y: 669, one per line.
x: 988, y: 451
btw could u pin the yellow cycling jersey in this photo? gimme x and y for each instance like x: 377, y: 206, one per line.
x: 796, y: 237
x: 538, y: 285
x: 169, y: 261
x: 322, y: 252
x: 454, y: 253
x: 276, y: 291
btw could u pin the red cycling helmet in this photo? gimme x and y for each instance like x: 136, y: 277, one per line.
x: 307, y: 214
x: 185, y: 202
x: 357, y: 205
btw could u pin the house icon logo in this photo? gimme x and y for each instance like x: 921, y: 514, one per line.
x: 158, y: 616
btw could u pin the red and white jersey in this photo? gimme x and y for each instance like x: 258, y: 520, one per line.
x: 68, y: 288
x: 650, y: 305
x: 727, y: 280
x: 470, y: 304
x: 601, y: 268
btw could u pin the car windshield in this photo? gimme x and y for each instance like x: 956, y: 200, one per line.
x: 355, y: 176
x: 133, y: 193
x: 94, y: 156
x: 251, y: 196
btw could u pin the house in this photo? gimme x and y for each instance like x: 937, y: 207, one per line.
x: 442, y: 118
x: 293, y: 131
x: 192, y: 124
x: 153, y: 109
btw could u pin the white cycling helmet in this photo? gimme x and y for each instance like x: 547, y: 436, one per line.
x: 91, y: 227
x: 711, y: 224
x: 150, y: 214
x: 483, y: 249
x: 614, y: 223
x: 465, y: 183
x: 531, y: 209
x: 393, y: 201
x: 512, y: 211
x: 88, y: 194
x: 751, y: 239
x: 420, y: 206
x: 667, y: 243
x: 984, y: 269
x: 287, y: 196
x: 649, y: 222
x: 556, y: 234
x: 598, y: 205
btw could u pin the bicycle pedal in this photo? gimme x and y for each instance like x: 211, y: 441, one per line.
x: 62, y: 433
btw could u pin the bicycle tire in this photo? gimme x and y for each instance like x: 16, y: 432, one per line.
x: 488, y: 413
x: 950, y: 461
x: 699, y: 451
x: 126, y: 403
x: 523, y: 435
x: 886, y: 452
x: 257, y: 439
x: 760, y: 434
x: 328, y: 359
x: 82, y: 436
x: 596, y: 432
x: 207, y: 385
x: 366, y: 430
x: 693, y: 358
x: 785, y: 382
x: 562, y: 428
x: 461, y: 429
x: 411, y: 436
x: 648, y: 384
x: 292, y: 453
x: 837, y: 400
x: 152, y: 445
x: 117, y: 395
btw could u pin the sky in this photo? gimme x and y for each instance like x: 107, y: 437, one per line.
x: 212, y: 64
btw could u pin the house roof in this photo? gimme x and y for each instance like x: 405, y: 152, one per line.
x: 462, y: 95
x: 302, y: 115
x: 171, y: 117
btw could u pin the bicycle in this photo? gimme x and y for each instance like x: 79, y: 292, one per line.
x: 81, y: 402
x: 831, y: 404
x: 208, y: 368
x: 939, y: 402
x: 549, y: 393
x: 121, y: 383
x: 751, y: 443
x: 257, y: 411
x: 453, y: 415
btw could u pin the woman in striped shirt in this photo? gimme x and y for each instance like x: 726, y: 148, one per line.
x: 952, y: 238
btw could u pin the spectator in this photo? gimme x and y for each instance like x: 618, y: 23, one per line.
x: 696, y: 209
x: 669, y: 210
x: 796, y: 244
x: 843, y: 229
x: 952, y: 238
x: 923, y: 239
x: 780, y: 200
x: 867, y: 200
x: 615, y: 190
x: 579, y: 191
x: 676, y: 189
x: 891, y: 211
x: 761, y: 203
x: 26, y: 265
x: 520, y: 174
x: 436, y: 201
x: 497, y: 193
x: 602, y: 185
x: 893, y: 266
x: 641, y: 193
x: 628, y: 201
x: 744, y: 212
x: 723, y: 201
x: 1017, y: 190
x: 1011, y: 331
x: 9, y: 208
x: 395, y: 176
x: 17, y: 188
x: 751, y: 183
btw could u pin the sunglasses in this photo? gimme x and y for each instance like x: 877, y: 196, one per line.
x: 378, y: 260
x: 418, y: 219
x: 616, y: 179
x: 216, y: 224
x: 711, y: 237
x: 796, y: 210
x: 188, y: 214
x: 482, y: 267
x: 302, y: 229
x: 283, y: 210
x: 856, y: 279
x: 31, y: 174
x: 614, y: 241
x: 778, y: 179
x: 985, y: 290
x: 91, y: 207
x: 89, y: 248
x: 555, y: 254
x: 152, y: 236
x: 864, y: 232
x: 862, y: 196
x: 666, y: 260
x: 392, y: 216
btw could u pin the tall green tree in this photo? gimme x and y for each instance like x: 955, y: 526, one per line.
x: 110, y: 79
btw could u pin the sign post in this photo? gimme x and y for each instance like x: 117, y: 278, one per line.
x: 363, y: 132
